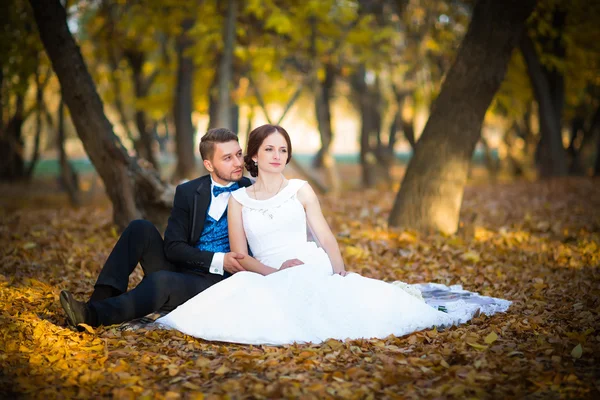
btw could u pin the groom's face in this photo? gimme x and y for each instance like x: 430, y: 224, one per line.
x: 227, y: 163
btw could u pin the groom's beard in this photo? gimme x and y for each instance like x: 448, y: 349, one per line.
x: 230, y: 178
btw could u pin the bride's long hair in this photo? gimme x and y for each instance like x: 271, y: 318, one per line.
x: 255, y: 139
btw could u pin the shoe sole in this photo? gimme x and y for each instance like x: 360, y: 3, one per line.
x: 66, y: 305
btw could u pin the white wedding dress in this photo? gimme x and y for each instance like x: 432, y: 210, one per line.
x: 306, y: 303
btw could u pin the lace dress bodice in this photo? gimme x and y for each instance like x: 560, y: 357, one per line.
x: 276, y: 228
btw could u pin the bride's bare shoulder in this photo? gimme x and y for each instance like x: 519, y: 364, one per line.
x: 236, y: 197
x: 306, y: 194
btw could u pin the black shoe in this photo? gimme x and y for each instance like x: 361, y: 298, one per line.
x: 77, y: 311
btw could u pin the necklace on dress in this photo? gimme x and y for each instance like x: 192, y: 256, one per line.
x: 280, y: 185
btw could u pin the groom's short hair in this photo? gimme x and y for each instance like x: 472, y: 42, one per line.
x: 215, y: 135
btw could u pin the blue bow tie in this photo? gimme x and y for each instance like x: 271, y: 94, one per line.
x: 217, y: 190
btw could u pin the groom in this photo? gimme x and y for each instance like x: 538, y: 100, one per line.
x: 195, y: 252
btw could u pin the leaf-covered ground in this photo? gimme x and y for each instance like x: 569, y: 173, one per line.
x: 537, y: 244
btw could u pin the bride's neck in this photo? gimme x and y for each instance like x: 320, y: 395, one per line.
x: 269, y: 182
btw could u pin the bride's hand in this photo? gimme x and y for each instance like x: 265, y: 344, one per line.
x: 291, y: 263
x: 341, y: 273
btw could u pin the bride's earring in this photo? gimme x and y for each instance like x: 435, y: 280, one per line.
x: 256, y: 163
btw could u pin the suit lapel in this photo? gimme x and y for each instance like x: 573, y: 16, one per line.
x: 245, y: 182
x: 202, y: 199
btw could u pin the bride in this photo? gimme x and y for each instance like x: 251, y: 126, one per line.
x: 292, y: 290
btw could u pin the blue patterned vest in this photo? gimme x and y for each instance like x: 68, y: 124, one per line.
x: 214, y: 237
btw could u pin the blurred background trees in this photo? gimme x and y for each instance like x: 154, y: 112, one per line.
x: 350, y: 79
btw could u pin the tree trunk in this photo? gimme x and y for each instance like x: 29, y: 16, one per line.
x: 490, y: 162
x: 368, y: 161
x: 387, y: 153
x: 597, y: 163
x: 224, y: 119
x: 431, y: 193
x: 577, y: 131
x: 68, y: 176
x: 524, y: 130
x: 407, y: 125
x: 589, y: 134
x: 116, y: 86
x: 369, y: 104
x: 213, y: 99
x: 164, y: 139
x: 114, y: 57
x: 583, y: 134
x: 551, y: 153
x: 213, y: 108
x: 214, y: 103
x: 235, y: 117
x: 556, y: 83
x: 39, y: 98
x: 324, y: 159
x: 1, y: 100
x: 12, y: 163
x: 184, y: 128
x: 515, y: 166
x: 141, y: 87
x: 133, y: 191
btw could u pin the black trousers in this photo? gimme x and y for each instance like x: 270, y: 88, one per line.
x: 163, y: 286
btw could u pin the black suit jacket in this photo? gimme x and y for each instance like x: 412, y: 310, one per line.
x: 186, y: 222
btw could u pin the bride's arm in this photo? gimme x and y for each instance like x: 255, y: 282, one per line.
x: 237, y: 239
x: 321, y: 228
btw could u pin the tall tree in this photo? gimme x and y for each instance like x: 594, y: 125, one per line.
x: 183, y: 105
x: 225, y: 75
x: 549, y: 88
x: 20, y: 63
x: 323, y: 86
x: 135, y: 192
x: 39, y: 100
x: 431, y: 193
x: 12, y: 162
x: 368, y: 98
x: 324, y: 159
x: 68, y: 175
x: 597, y: 163
x: 142, y: 85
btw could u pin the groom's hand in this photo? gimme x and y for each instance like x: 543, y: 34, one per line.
x: 291, y: 263
x: 231, y: 263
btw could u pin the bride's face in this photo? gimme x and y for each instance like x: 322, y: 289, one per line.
x: 272, y: 154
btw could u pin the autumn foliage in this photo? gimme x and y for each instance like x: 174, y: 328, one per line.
x: 537, y: 244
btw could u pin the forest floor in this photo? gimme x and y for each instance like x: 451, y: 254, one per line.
x: 535, y: 243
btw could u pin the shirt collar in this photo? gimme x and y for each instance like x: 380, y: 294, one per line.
x: 213, y: 183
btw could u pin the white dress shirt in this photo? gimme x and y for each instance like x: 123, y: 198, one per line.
x: 218, y: 205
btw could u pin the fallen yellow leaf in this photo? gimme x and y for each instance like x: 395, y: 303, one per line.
x: 87, y: 328
x: 491, y: 338
x: 222, y: 370
x: 471, y: 256
x: 577, y: 351
x: 202, y: 362
x: 477, y: 346
x: 191, y: 386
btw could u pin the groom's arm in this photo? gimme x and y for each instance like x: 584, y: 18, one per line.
x: 177, y: 249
